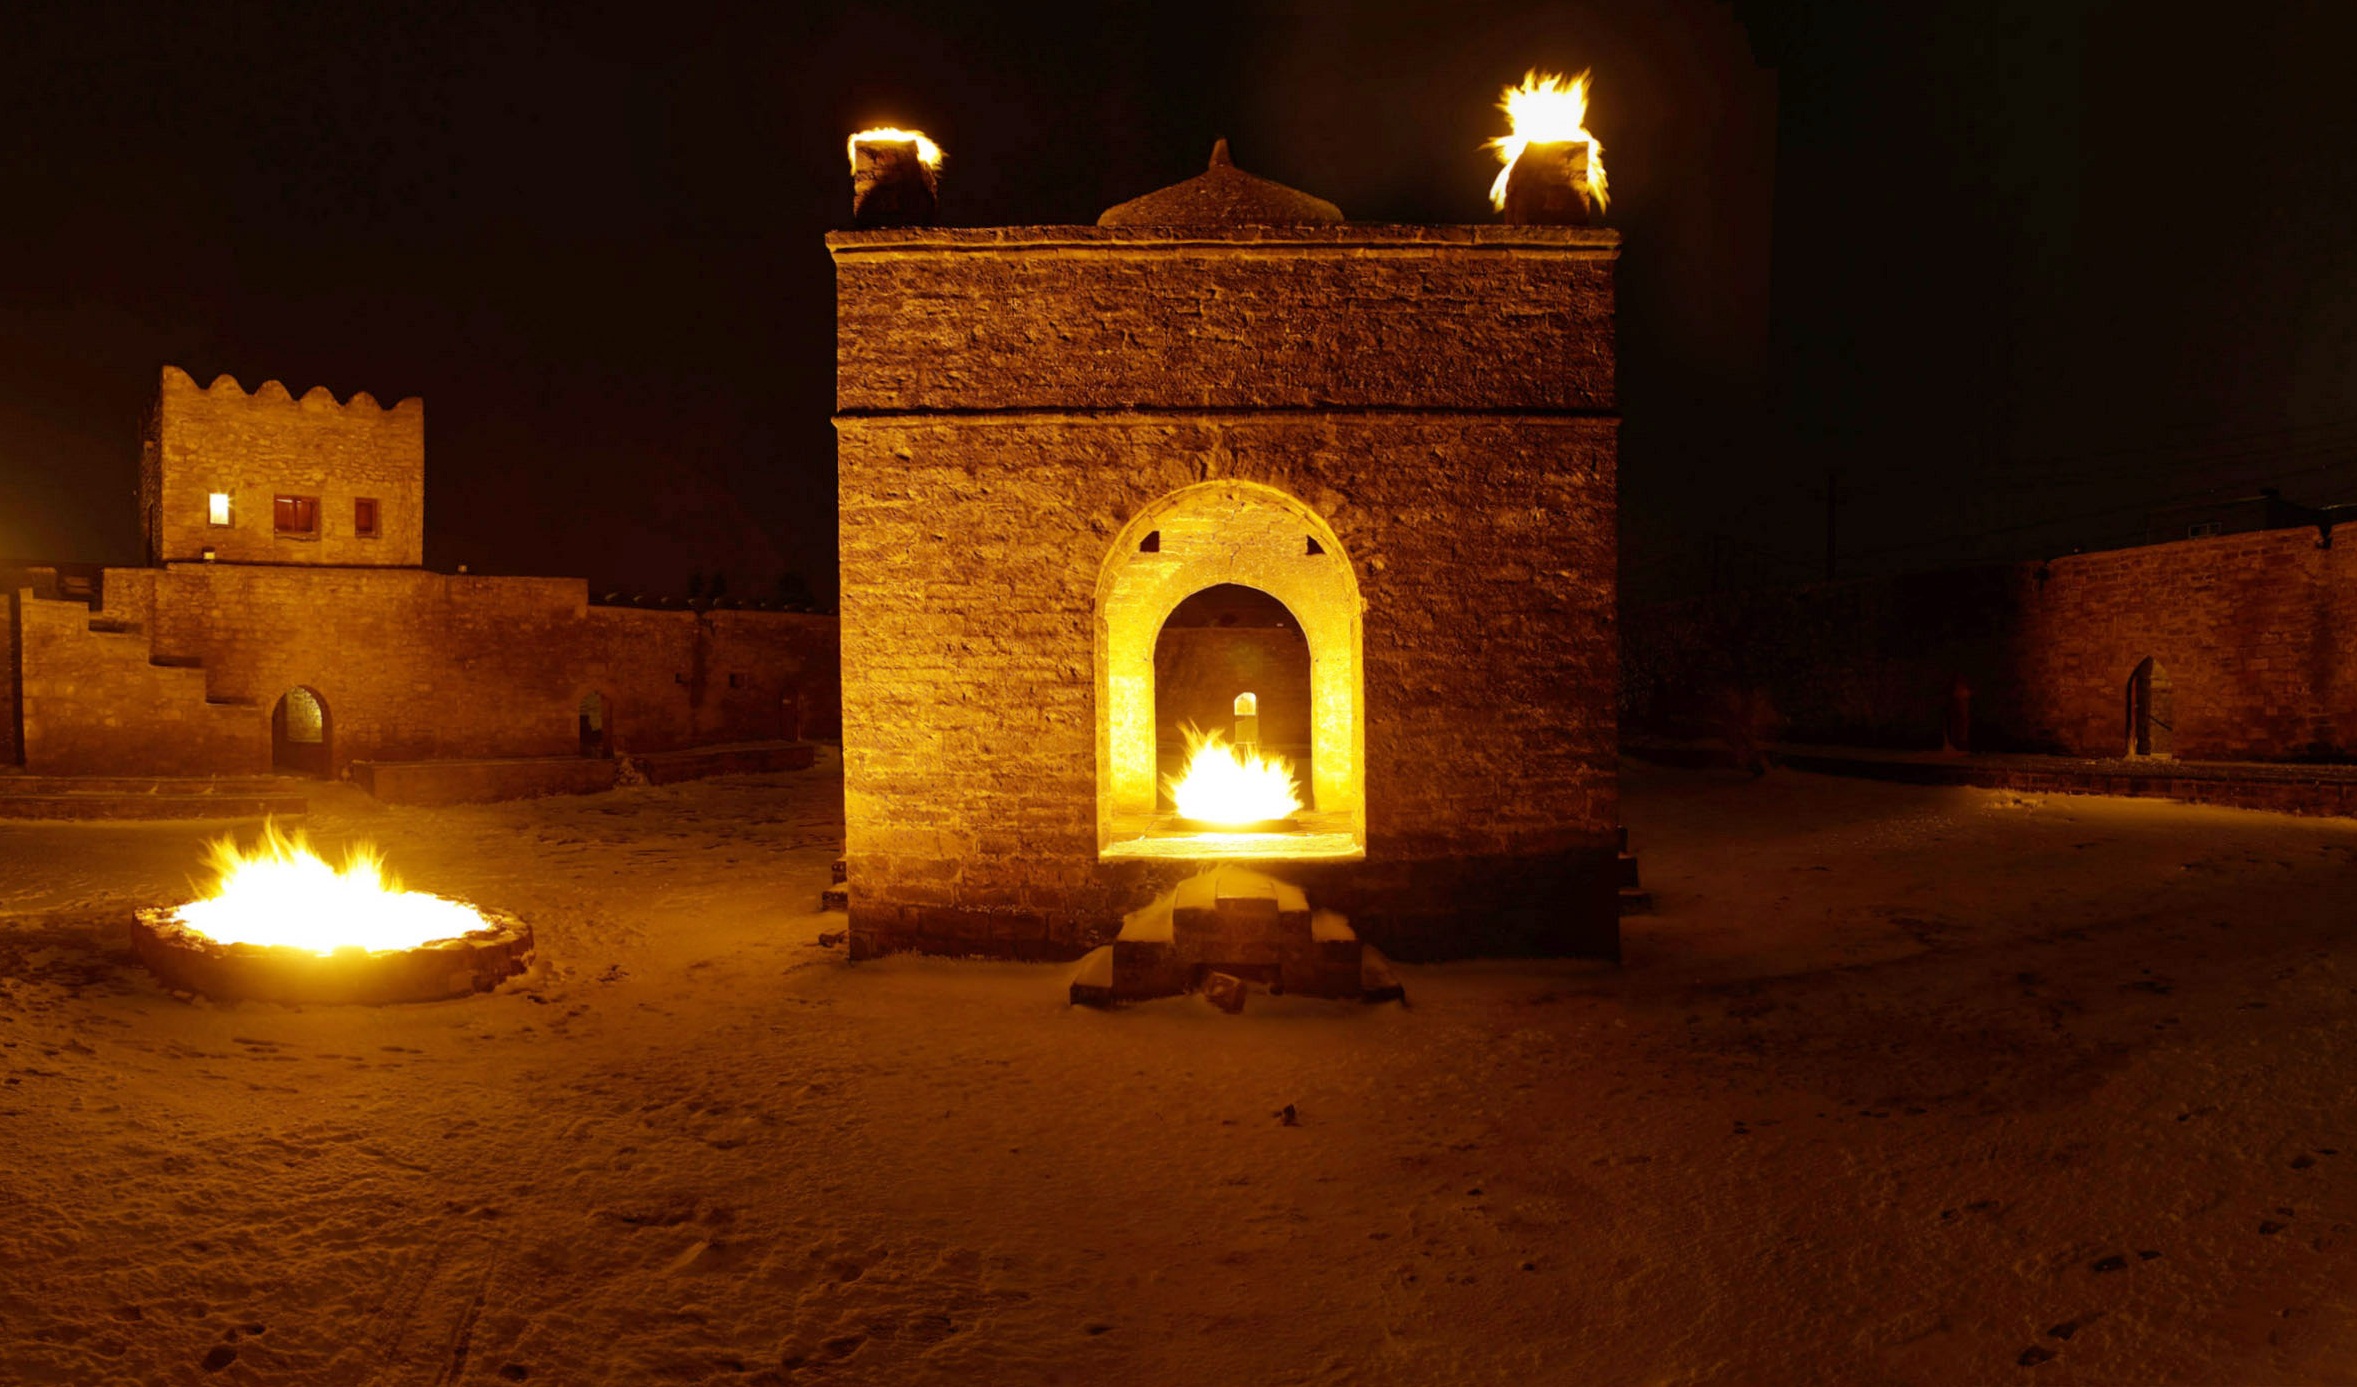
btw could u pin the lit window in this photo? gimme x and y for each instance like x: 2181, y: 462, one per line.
x: 296, y: 515
x: 217, y: 507
x: 1247, y: 705
x: 364, y: 517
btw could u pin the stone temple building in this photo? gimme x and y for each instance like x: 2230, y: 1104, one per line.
x: 1097, y: 481
x: 284, y: 622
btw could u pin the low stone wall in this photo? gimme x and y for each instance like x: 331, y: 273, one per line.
x: 754, y: 758
x: 526, y: 777
x: 478, y: 782
x: 2248, y: 628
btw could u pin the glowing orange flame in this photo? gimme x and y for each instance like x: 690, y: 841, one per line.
x: 1546, y: 110
x: 928, y: 153
x: 1226, y: 784
x: 282, y: 893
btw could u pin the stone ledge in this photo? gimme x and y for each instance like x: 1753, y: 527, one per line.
x: 1589, y: 241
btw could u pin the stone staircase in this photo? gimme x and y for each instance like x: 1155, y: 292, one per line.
x: 1243, y: 925
x: 97, y: 697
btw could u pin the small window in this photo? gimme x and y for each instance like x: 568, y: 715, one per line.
x: 1314, y: 546
x: 364, y: 517
x: 1151, y: 544
x: 296, y: 515
x: 1247, y: 705
x: 217, y: 508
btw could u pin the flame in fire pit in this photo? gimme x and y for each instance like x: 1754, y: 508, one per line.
x: 1546, y: 110
x: 282, y: 893
x: 1226, y: 784
x: 928, y: 153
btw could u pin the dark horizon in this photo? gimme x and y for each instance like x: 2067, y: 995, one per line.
x: 1996, y: 264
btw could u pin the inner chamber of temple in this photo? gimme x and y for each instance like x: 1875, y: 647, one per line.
x: 1232, y: 660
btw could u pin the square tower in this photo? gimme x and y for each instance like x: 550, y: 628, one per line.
x: 1058, y: 445
x: 270, y: 479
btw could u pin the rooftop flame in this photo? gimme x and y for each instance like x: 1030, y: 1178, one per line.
x: 928, y: 153
x: 1227, y: 785
x: 281, y: 893
x: 1546, y: 110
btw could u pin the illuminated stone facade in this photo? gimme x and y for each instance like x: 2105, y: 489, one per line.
x: 205, y: 667
x: 1048, y: 437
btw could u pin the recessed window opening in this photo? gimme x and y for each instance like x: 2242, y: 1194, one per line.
x: 1151, y: 544
x: 1314, y: 546
x: 364, y: 517
x: 295, y: 515
x: 217, y: 508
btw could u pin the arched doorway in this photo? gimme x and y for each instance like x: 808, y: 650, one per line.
x: 299, y: 734
x: 1273, y: 552
x: 1231, y: 659
x: 594, y: 715
x: 2152, y: 711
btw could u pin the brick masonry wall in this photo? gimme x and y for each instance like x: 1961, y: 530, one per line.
x: 259, y: 446
x: 1513, y: 318
x: 1009, y: 402
x: 1199, y: 670
x: 411, y: 666
x: 12, y: 751
x: 2247, y: 627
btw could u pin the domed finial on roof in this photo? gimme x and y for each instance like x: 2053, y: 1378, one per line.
x: 1222, y: 195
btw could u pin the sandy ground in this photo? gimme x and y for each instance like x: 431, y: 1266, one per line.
x: 1900, y: 1085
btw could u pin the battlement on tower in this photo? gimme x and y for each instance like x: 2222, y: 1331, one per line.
x: 275, y: 478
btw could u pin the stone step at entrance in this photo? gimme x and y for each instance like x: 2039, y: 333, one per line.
x: 1241, y: 923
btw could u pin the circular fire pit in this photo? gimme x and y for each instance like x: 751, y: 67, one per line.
x: 194, y: 962
x: 282, y: 925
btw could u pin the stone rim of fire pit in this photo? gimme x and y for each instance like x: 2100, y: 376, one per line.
x: 187, y: 961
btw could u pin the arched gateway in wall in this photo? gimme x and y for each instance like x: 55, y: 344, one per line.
x: 299, y: 734
x: 1197, y: 538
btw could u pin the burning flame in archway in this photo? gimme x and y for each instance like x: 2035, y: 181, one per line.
x: 281, y: 893
x: 928, y: 153
x: 1226, y: 784
x: 1546, y: 110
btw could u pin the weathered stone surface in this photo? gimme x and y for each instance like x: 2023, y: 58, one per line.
x: 1091, y: 318
x: 253, y: 448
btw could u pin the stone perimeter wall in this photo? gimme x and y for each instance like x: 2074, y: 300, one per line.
x: 178, y: 670
x: 2250, y: 628
x: 1442, y: 397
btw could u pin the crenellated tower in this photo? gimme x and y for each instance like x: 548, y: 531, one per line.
x: 268, y: 478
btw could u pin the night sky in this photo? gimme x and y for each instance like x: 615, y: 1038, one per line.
x: 2016, y: 270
